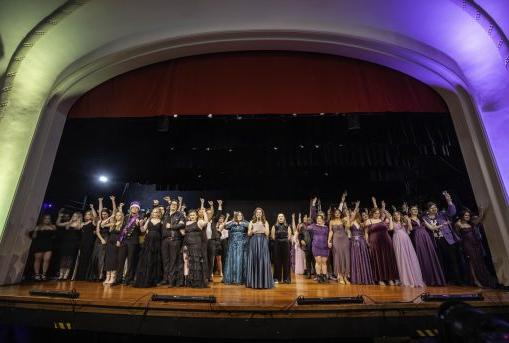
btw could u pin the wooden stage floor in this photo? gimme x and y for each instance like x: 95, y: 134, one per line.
x: 384, y: 306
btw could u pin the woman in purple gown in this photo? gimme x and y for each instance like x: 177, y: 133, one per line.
x: 382, y: 252
x: 425, y: 250
x: 406, y: 258
x: 340, y: 241
x: 360, y: 262
x: 472, y: 249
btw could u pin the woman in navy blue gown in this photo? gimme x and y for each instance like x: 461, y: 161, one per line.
x: 259, y: 268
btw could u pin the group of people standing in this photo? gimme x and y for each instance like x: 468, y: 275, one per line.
x: 169, y: 245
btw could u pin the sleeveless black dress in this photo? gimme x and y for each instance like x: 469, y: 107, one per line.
x: 96, y: 266
x: 86, y: 249
x: 43, y: 240
x: 150, y: 270
x: 111, y: 258
x: 193, y: 240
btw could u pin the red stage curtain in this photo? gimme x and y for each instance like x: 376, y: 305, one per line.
x: 258, y: 83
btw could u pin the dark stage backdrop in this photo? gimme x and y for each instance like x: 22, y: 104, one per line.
x: 258, y: 83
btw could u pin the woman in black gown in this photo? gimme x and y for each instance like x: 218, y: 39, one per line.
x: 195, y: 272
x: 149, y: 270
x: 86, y: 244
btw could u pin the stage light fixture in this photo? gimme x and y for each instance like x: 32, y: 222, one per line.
x: 184, y: 298
x: 301, y: 146
x: 55, y: 294
x: 103, y: 179
x: 330, y: 300
x: 239, y: 117
x: 230, y: 150
x: 210, y: 115
x: 317, y: 146
x: 275, y: 148
x: 294, y: 114
x: 321, y: 113
x: 427, y: 297
x: 207, y: 148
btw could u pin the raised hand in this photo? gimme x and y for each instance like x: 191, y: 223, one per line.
x: 112, y: 197
x: 91, y: 206
x: 220, y: 202
x: 180, y: 199
x: 343, y: 196
x: 383, y: 204
x: 447, y: 196
x: 100, y: 199
x: 167, y: 199
x: 211, y: 203
x: 202, y: 200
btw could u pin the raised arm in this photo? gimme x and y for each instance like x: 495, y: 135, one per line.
x: 342, y: 201
x: 180, y: 203
x: 114, y: 204
x: 479, y: 219
x: 211, y: 206
x: 101, y: 205
x: 313, y: 211
x: 250, y: 229
x: 451, y: 208
x: 94, y: 213
x: 373, y: 201
x: 203, y: 222
x: 294, y: 227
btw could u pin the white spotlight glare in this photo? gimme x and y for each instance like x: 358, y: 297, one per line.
x: 103, y: 179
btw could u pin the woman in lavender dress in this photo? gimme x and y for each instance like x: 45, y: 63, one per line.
x: 473, y: 250
x: 425, y: 250
x: 406, y: 258
x: 340, y: 241
x: 360, y: 262
x: 380, y: 245
x: 299, y: 245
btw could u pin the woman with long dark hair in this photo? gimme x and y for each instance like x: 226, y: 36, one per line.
x: 360, y: 260
x: 320, y: 245
x: 42, y: 246
x: 339, y: 240
x: 385, y: 268
x: 259, y: 270
x: 87, y: 241
x: 281, y: 234
x: 472, y: 249
x: 236, y: 257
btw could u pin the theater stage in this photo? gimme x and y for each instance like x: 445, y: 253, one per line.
x: 239, y: 311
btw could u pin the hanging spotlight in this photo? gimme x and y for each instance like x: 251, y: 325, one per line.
x: 317, y: 146
x: 103, y: 179
x: 194, y: 148
x: 207, y: 148
x: 210, y: 115
x: 175, y: 115
x: 275, y: 148
x: 294, y: 114
x: 230, y: 150
x: 301, y: 146
x: 239, y: 117
x: 321, y: 113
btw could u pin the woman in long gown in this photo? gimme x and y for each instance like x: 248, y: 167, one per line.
x: 472, y: 249
x: 406, y: 258
x: 149, y: 269
x: 432, y: 273
x: 299, y: 246
x: 70, y: 242
x: 86, y: 244
x: 385, y: 269
x: 196, y: 275
x: 340, y: 241
x: 259, y: 269
x: 96, y: 266
x: 236, y: 257
x: 360, y: 260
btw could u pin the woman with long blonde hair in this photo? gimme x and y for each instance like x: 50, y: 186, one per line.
x: 114, y: 223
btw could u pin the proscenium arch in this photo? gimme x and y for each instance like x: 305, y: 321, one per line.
x: 441, y: 73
